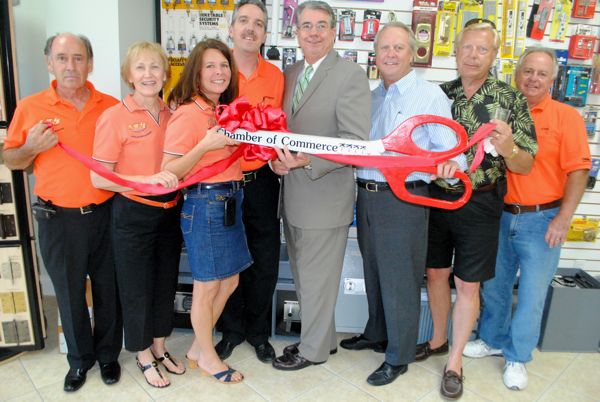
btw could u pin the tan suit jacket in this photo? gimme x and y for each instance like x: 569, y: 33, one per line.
x: 336, y: 103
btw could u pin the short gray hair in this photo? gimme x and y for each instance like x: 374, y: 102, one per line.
x: 316, y: 5
x: 481, y: 26
x: 257, y: 3
x: 86, y: 43
x: 397, y: 24
x: 539, y: 49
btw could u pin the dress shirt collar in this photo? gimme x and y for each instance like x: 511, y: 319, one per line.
x: 315, y: 65
x: 543, y: 103
x: 402, y: 85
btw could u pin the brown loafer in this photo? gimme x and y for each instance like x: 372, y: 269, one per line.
x: 424, y: 350
x: 452, y: 384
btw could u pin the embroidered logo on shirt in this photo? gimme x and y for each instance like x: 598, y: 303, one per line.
x: 137, y: 127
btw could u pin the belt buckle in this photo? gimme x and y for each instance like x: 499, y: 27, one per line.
x: 249, y: 177
x: 88, y: 209
x: 371, y: 187
x: 518, y: 208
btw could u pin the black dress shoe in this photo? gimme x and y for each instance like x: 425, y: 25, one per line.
x: 265, y: 352
x: 292, y: 361
x: 75, y: 379
x: 225, y: 348
x: 293, y: 349
x: 110, y: 372
x: 360, y: 342
x: 386, y: 373
x: 424, y: 350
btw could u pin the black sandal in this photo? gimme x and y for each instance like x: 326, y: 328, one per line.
x: 167, y: 356
x: 147, y: 367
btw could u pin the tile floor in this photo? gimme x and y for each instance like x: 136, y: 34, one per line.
x: 38, y: 376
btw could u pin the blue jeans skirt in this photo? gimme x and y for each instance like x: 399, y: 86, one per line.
x: 215, y: 251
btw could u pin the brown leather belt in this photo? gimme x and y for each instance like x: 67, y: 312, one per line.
x: 516, y: 209
x: 158, y: 204
x: 375, y: 186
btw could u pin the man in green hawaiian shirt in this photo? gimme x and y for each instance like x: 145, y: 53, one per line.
x: 471, y: 232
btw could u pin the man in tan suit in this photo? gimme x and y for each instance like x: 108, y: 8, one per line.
x: 328, y: 96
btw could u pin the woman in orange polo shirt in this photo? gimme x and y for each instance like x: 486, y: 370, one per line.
x: 211, y: 217
x: 145, y: 228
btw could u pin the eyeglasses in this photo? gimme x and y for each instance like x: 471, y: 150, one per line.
x: 480, y: 21
x: 308, y: 27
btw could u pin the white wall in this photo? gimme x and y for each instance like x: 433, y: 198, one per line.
x: 30, y: 35
x: 136, y: 22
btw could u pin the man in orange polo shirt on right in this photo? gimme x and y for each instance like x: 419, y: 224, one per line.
x: 247, y: 314
x: 537, y: 213
x: 73, y: 216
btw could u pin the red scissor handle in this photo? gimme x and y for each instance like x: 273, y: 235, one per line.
x: 396, y: 178
x: 400, y: 139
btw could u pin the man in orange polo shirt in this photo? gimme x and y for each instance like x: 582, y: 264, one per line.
x: 73, y: 216
x: 537, y: 213
x: 247, y: 314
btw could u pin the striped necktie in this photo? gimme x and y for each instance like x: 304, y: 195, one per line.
x: 301, y: 87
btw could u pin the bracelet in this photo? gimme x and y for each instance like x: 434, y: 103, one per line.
x: 515, y: 152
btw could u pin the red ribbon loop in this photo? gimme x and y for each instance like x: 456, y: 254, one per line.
x: 240, y: 114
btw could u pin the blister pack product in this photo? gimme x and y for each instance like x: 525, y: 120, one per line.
x: 288, y: 58
x: 289, y: 18
x: 509, y: 28
x: 538, y: 19
x: 576, y: 89
x: 423, y: 25
x: 582, y: 43
x: 346, y: 31
x: 445, y: 27
x: 370, y: 25
x: 560, y: 20
x: 584, y: 9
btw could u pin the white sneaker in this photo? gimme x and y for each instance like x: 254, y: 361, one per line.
x: 478, y: 348
x: 515, y: 376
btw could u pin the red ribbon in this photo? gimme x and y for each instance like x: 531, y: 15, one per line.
x: 241, y: 114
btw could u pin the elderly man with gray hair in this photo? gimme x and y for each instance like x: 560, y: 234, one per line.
x: 537, y: 213
x: 73, y: 216
x: 392, y: 234
x: 463, y: 242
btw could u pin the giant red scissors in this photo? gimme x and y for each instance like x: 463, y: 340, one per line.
x: 395, y: 168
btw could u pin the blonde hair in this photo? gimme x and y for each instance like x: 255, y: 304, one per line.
x: 481, y: 26
x: 135, y: 50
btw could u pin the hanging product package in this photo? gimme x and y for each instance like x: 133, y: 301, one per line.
x: 444, y: 28
x: 423, y: 25
x: 347, y: 18
x: 370, y: 25
x: 538, y: 19
x: 560, y: 20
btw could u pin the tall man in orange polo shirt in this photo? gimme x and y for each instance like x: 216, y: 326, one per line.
x: 537, y: 213
x: 247, y: 312
x: 73, y: 215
